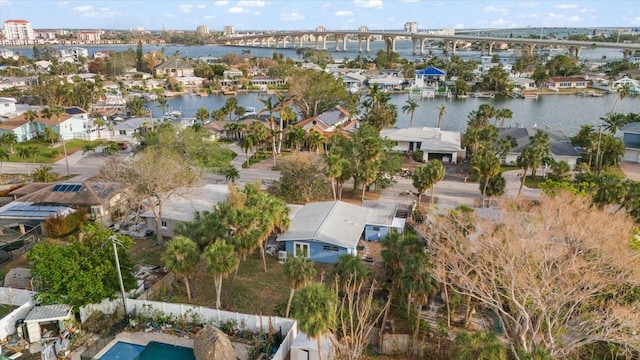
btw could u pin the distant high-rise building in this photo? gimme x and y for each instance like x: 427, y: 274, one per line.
x: 202, y: 29
x: 89, y: 36
x: 19, y: 32
x: 411, y: 27
x: 228, y: 31
x: 320, y: 29
x: 363, y: 29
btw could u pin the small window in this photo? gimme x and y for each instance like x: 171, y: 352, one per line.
x: 376, y: 228
x: 122, y: 132
x: 163, y: 224
x: 330, y: 248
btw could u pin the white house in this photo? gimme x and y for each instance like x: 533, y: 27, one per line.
x: 7, y: 105
x: 433, y: 142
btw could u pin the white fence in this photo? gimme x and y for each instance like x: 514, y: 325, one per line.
x: 206, y: 315
x: 14, y: 297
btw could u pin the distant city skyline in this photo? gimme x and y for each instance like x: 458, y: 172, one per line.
x: 308, y: 14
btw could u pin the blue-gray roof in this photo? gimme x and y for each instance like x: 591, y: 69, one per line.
x: 560, y: 143
x: 431, y: 71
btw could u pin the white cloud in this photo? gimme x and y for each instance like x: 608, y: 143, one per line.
x: 636, y: 20
x: 184, y: 8
x: 8, y: 3
x: 326, y: 6
x: 527, y: 5
x: 458, y: 26
x: 237, y: 10
x: 61, y: 3
x: 101, y: 13
x: 251, y: 3
x: 574, y: 18
x: 344, y: 13
x: 368, y: 3
x: 209, y: 17
x: 221, y: 2
x: 586, y: 11
x: 201, y: 6
x: 496, y: 9
x: 291, y: 16
x: 83, y: 9
x: 566, y: 6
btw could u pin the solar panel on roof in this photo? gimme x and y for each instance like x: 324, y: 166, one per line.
x: 67, y: 188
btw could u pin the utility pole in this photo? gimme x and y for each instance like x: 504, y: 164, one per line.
x: 124, y: 299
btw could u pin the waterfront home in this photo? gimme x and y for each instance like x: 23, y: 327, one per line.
x: 329, y: 122
x: 9, y: 54
x: 557, y: 83
x: 523, y: 84
x: 71, y: 55
x: 429, y: 77
x: 387, y: 83
x: 631, y: 139
x: 433, y: 142
x: 175, y: 68
x: 322, y: 231
x: 625, y: 81
x: 561, y: 148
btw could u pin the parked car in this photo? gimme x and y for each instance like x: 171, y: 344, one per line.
x: 123, y: 146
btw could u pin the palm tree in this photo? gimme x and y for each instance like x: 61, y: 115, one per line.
x: 349, y: 269
x: 4, y: 155
x: 99, y: 122
x: 282, y: 106
x: 50, y: 134
x: 410, y: 108
x: 435, y: 172
x: 221, y: 261
x: 614, y: 122
x: 299, y: 271
x: 315, y: 139
x: 314, y: 309
x: 56, y: 111
x: 420, y: 284
x: 442, y: 110
x: 44, y: 174
x: 421, y: 181
x: 270, y: 107
x: 162, y: 104
x: 31, y: 115
x: 181, y: 256
x: 231, y: 174
x: 24, y: 153
x: 332, y: 170
x: 480, y: 345
x: 9, y: 139
x: 503, y: 114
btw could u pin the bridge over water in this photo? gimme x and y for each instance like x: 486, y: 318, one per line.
x: 419, y: 41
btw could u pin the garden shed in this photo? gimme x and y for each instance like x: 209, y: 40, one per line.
x: 47, y: 321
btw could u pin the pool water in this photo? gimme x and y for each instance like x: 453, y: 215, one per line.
x: 153, y: 351
x: 122, y: 351
x: 156, y: 351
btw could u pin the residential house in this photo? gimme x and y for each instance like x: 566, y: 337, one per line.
x: 182, y: 206
x: 267, y: 81
x: 325, y: 230
x: 97, y: 198
x: 387, y: 83
x: 74, y: 120
x: 433, y: 142
x: 9, y: 54
x: 174, y: 67
x: 7, y: 105
x: 429, y: 77
x: 625, y: 82
x: 353, y: 80
x: 72, y: 55
x: 329, y: 122
x: 631, y: 139
x: 128, y: 130
x: 561, y: 148
x: 522, y: 84
x: 566, y: 82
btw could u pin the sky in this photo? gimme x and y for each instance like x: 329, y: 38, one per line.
x: 308, y: 14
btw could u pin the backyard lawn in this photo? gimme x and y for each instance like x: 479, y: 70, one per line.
x: 44, y: 152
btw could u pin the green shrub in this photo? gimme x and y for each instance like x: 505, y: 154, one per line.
x: 417, y: 155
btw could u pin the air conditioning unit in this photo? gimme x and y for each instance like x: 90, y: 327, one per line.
x: 282, y: 256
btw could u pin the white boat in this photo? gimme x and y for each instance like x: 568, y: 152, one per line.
x: 483, y: 95
x: 249, y: 111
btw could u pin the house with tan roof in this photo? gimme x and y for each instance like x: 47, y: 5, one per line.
x: 74, y: 119
x: 329, y: 122
x: 97, y: 198
x: 173, y: 67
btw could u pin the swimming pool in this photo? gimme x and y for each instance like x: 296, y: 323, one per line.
x: 153, y: 351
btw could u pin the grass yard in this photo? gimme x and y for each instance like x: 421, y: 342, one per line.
x: 45, y: 152
x: 252, y: 291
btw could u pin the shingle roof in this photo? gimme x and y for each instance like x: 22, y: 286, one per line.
x: 560, y: 144
x: 90, y: 193
x: 432, y: 139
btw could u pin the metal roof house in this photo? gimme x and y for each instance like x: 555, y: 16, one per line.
x: 433, y: 142
x: 561, y: 148
x: 325, y: 230
x: 430, y: 76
